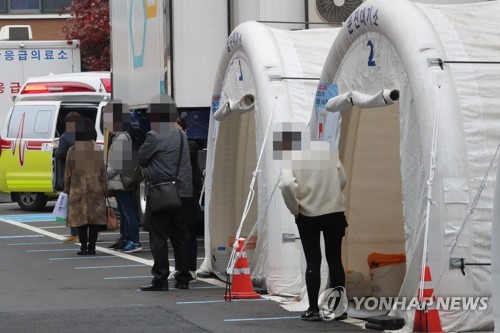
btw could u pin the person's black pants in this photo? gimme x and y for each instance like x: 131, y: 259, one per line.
x: 333, y: 228
x: 88, y: 234
x: 163, y: 225
x: 191, y: 216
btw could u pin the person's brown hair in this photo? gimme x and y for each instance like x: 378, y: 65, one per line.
x: 71, y: 116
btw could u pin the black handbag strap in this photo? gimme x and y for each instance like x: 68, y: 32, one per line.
x: 180, y: 154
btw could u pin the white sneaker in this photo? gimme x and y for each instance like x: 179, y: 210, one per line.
x: 172, y: 275
x: 193, y: 275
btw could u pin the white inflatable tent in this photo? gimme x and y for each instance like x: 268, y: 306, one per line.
x: 427, y: 159
x: 281, y: 69
x: 447, y: 139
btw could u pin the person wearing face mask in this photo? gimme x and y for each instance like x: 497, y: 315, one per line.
x: 159, y: 156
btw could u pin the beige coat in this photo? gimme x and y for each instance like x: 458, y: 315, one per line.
x: 86, y: 185
x: 315, y: 192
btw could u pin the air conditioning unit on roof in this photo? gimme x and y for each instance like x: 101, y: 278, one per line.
x: 331, y: 12
x: 16, y: 32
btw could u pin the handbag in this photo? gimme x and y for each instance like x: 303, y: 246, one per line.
x: 164, y: 195
x: 112, y: 221
x: 60, y: 211
x: 131, y: 180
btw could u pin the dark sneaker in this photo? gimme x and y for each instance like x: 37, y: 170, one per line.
x: 155, y: 287
x: 132, y: 247
x: 311, y: 315
x: 118, y: 244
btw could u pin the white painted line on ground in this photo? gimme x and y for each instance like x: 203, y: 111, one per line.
x: 144, y: 262
x: 61, y: 237
x: 257, y: 319
x: 41, y: 243
x: 223, y: 301
x: 127, y: 277
x: 21, y: 236
x: 82, y: 257
x: 117, y: 266
x: 52, y: 250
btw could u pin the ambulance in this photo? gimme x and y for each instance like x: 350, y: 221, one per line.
x: 33, y: 126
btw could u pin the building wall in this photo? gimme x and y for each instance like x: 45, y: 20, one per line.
x: 42, y: 29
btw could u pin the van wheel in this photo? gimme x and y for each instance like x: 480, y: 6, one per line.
x: 31, y: 201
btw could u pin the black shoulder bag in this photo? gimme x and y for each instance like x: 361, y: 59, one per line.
x: 164, y: 195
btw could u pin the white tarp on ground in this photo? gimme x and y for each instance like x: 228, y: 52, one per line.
x: 451, y: 113
x: 447, y: 115
x: 254, y: 54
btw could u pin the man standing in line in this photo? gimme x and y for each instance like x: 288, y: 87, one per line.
x: 159, y: 157
x: 193, y: 213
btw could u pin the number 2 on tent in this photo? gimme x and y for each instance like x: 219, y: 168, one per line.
x: 371, y: 62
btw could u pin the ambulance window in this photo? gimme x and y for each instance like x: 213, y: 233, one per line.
x: 35, y: 121
x: 42, y: 122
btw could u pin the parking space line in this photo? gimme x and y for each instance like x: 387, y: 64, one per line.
x: 29, y: 218
x: 82, y: 257
x: 223, y: 301
x: 127, y: 277
x: 51, y: 250
x: 257, y: 319
x: 40, y: 243
x: 116, y: 266
x: 21, y: 236
x: 112, y: 253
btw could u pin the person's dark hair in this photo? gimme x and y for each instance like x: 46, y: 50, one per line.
x: 138, y: 137
x: 85, y: 130
x: 182, y: 123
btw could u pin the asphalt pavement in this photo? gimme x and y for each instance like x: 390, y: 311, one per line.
x: 46, y: 287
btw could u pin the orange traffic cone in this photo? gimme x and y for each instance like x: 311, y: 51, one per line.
x: 427, y: 320
x: 241, y: 285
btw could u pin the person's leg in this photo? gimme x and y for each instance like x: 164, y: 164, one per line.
x: 333, y: 227
x: 191, y: 217
x: 310, y: 239
x: 179, y: 236
x: 158, y: 236
x: 93, y: 232
x: 74, y: 231
x: 82, y: 234
x: 128, y: 209
x: 72, y: 237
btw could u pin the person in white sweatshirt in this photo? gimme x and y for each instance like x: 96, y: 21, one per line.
x: 314, y: 196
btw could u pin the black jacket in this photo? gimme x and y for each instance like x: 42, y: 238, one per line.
x: 159, y: 155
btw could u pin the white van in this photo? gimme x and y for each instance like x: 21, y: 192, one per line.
x: 34, y: 124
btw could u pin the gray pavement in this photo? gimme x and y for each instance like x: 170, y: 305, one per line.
x: 46, y: 287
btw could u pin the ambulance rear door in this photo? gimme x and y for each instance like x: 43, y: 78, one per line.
x: 27, y: 147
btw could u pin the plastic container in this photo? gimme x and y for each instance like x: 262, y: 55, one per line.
x: 354, y: 284
x: 387, y: 272
x: 221, y: 258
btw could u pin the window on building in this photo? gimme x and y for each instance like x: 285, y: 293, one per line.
x: 3, y: 6
x: 53, y: 6
x: 28, y: 6
x: 32, y: 6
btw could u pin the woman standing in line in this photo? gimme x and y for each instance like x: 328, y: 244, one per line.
x: 315, y: 199
x: 86, y: 185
